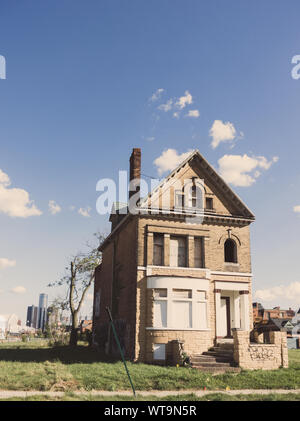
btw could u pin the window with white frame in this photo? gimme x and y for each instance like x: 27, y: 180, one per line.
x: 180, y: 309
x: 178, y: 251
x: 160, y: 307
x: 201, y: 308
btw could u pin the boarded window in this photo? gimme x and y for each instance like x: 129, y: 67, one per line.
x: 195, y: 197
x: 178, y: 251
x: 201, y: 295
x: 160, y: 313
x: 158, y: 250
x: 159, y: 351
x: 182, y: 313
x: 198, y: 252
x: 160, y: 293
x: 179, y: 202
x: 182, y: 293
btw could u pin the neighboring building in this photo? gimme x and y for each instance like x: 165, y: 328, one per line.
x: 257, y: 312
x: 260, y: 313
x: 9, y: 324
x: 296, y: 318
x: 166, y: 276
x: 42, y: 311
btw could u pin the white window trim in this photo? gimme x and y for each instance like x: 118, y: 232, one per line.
x: 171, y: 298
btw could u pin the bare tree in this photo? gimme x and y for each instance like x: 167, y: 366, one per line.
x: 79, y: 277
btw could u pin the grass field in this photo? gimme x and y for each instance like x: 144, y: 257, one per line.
x: 35, y: 366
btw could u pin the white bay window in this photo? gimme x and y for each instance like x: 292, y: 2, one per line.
x: 176, y: 308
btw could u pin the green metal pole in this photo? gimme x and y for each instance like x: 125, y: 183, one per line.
x: 120, y: 349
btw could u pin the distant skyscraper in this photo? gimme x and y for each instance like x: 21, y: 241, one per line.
x: 31, y: 319
x: 42, y: 313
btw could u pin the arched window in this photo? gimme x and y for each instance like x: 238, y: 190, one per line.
x: 230, y: 251
x: 195, y: 199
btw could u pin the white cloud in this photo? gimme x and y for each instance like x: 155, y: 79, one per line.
x: 184, y: 100
x: 156, y: 95
x: 85, y: 212
x: 167, y: 106
x: 179, y: 104
x: 193, y: 113
x: 296, y: 209
x: 15, y: 202
x: 53, y: 207
x: 169, y: 160
x: 72, y: 208
x: 4, y: 179
x: 242, y: 171
x: 221, y: 132
x: 289, y: 292
x: 7, y: 263
x: 150, y: 139
x: 18, y: 290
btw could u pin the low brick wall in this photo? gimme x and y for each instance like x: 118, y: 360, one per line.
x: 195, y: 342
x: 254, y: 356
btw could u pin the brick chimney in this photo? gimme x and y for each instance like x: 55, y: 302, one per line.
x: 135, y: 169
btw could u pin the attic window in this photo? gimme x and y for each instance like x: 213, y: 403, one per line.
x: 178, y: 199
x: 209, y: 203
x: 195, y: 197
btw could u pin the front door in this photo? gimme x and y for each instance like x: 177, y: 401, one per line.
x: 225, y: 328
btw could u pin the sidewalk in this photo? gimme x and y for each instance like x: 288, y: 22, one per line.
x: 5, y: 394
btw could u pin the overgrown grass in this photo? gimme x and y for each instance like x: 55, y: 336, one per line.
x: 35, y: 366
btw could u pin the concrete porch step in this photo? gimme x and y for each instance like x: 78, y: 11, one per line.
x: 211, y: 358
x: 211, y: 364
x: 228, y: 355
x: 221, y: 348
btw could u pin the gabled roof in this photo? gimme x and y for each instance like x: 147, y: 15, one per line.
x: 222, y: 185
x: 282, y: 323
x: 117, y: 207
x: 218, y: 181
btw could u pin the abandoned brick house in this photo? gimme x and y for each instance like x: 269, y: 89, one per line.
x: 169, y: 277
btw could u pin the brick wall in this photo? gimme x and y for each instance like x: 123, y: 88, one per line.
x: 260, y: 356
x: 116, y: 279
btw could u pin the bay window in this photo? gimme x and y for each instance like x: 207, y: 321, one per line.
x: 176, y: 308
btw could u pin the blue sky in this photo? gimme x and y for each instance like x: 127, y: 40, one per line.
x: 76, y: 99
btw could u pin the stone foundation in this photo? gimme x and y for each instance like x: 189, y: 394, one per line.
x: 254, y: 356
x: 195, y: 342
